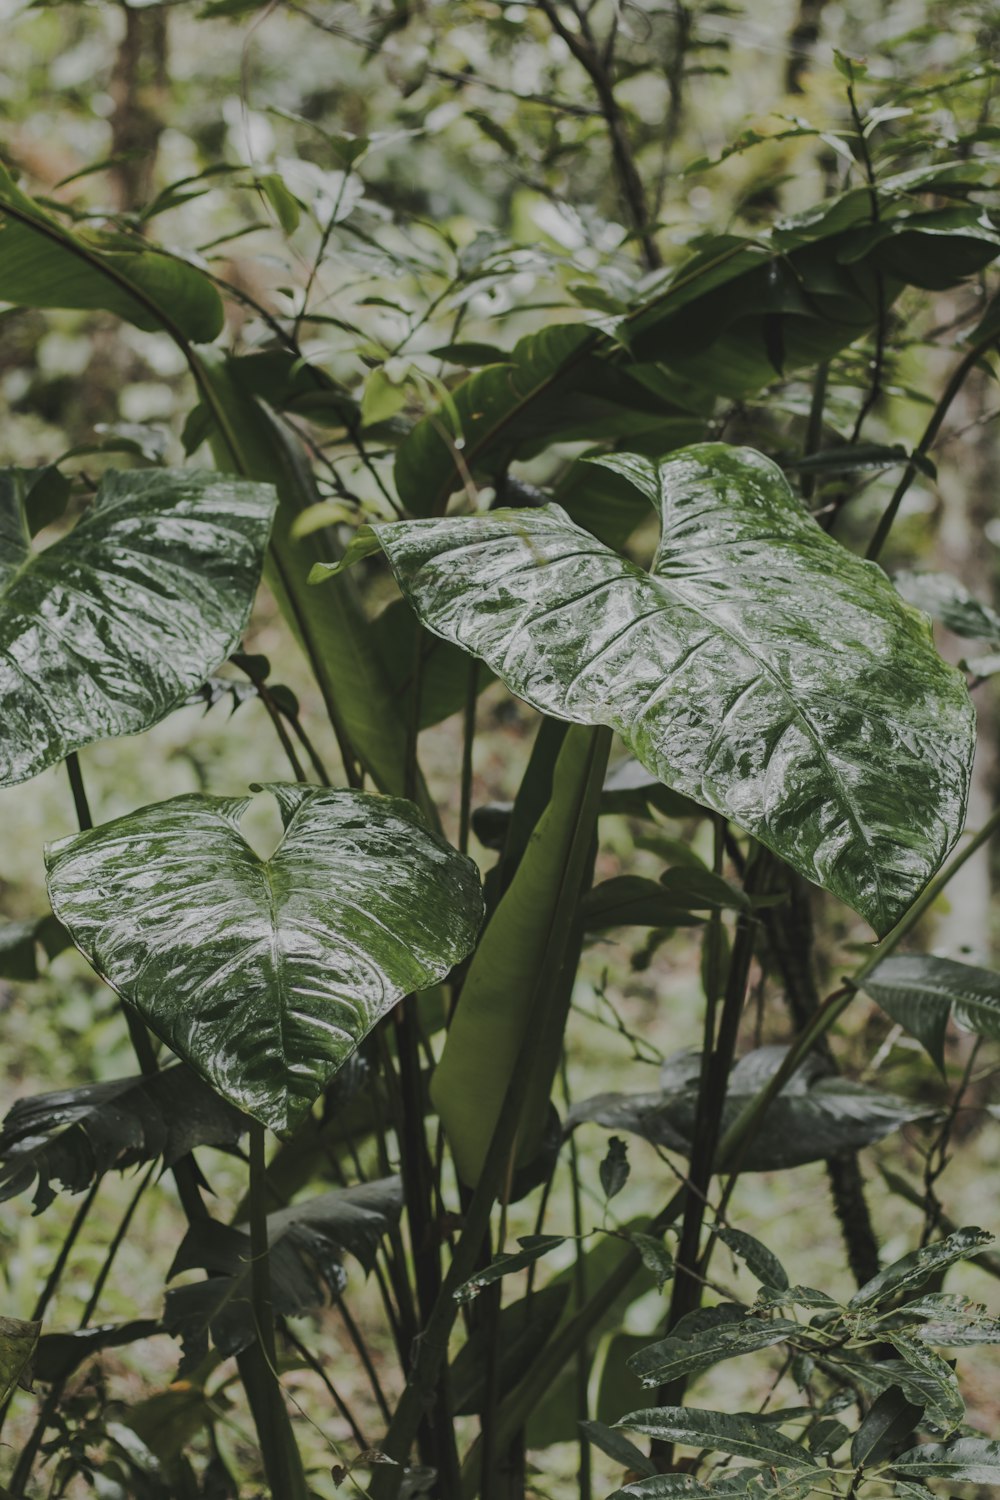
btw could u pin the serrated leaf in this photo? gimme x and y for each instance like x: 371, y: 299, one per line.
x: 306, y: 1245
x: 758, y: 1259
x: 671, y: 1357
x: 923, y: 993
x: 44, y: 264
x: 73, y: 1136
x: 966, y: 1460
x: 740, y: 1433
x: 742, y: 670
x: 919, y: 1266
x: 264, y: 975
x: 111, y: 627
x: 889, y: 1421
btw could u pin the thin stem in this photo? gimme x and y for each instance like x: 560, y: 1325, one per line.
x: 468, y: 744
x: 315, y: 1364
x: 80, y: 802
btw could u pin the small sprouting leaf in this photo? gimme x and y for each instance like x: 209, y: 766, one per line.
x: 265, y: 975
x: 741, y: 1433
x: 888, y: 1422
x: 919, y: 1266
x: 533, y: 1247
x: 614, y: 1168
x: 18, y: 1341
x: 965, y: 1460
x: 758, y: 1259
x: 116, y: 623
x: 922, y: 993
x: 716, y: 667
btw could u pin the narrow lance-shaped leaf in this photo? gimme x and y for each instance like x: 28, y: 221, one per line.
x: 264, y: 975
x: 965, y: 1461
x: 113, y: 625
x: 739, y: 1433
x: 760, y: 668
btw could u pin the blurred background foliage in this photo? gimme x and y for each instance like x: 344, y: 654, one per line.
x: 404, y: 189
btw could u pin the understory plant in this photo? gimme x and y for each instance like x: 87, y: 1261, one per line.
x: 648, y: 520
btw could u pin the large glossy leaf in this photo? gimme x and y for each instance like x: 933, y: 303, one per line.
x: 116, y: 623
x: 923, y: 993
x: 306, y: 1243
x: 812, y: 1118
x: 760, y: 668
x: 73, y: 1136
x: 44, y: 264
x: 264, y: 975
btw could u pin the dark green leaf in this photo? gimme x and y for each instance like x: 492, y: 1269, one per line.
x: 73, y: 1136
x: 945, y: 1320
x: 18, y: 1341
x: 758, y: 1259
x: 306, y: 1246
x: 614, y: 1168
x: 945, y: 599
x: 944, y: 1405
x: 655, y: 1257
x: 888, y: 1422
x: 264, y: 975
x: 111, y: 627
x: 922, y: 993
x: 43, y: 264
x: 533, y: 1247
x: 671, y: 1357
x: 919, y: 1266
x: 740, y: 1433
x: 718, y: 669
x: 618, y: 1448
x: 59, y: 1354
x: 966, y: 1461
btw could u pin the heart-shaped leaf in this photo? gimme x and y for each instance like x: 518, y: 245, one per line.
x: 264, y: 975
x: 760, y: 668
x: 116, y: 623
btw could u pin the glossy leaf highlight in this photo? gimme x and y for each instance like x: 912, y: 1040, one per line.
x: 264, y: 975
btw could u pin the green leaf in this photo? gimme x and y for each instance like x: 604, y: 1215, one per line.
x: 59, y: 1354
x: 919, y: 1266
x: 663, y: 1487
x: 18, y: 1341
x: 812, y: 1118
x: 533, y: 1247
x: 285, y: 204
x: 617, y: 1447
x: 614, y: 1169
x: 740, y: 1433
x: 945, y: 1320
x: 675, y: 1356
x: 922, y: 993
x: 758, y: 1259
x: 264, y: 975
x: 889, y: 1421
x: 111, y: 627
x: 306, y: 1246
x: 500, y: 998
x: 965, y: 1460
x: 19, y: 942
x: 655, y: 1257
x: 73, y: 1136
x: 945, y: 599
x: 742, y: 671
x: 944, y: 1405
x: 43, y: 264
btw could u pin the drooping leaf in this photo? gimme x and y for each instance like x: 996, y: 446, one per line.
x: 618, y: 1447
x: 44, y: 264
x: 888, y: 1422
x: 533, y: 1247
x: 20, y: 941
x: 264, y: 975
x: 521, y: 1330
x: 18, y: 1342
x: 812, y: 1118
x: 744, y: 670
x: 918, y: 1266
x: 306, y: 1242
x: 965, y: 1460
x: 740, y: 1433
x: 758, y: 1259
x: 923, y: 993
x: 674, y: 1356
x: 73, y: 1136
x: 945, y: 599
x: 111, y: 627
x: 59, y: 1354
